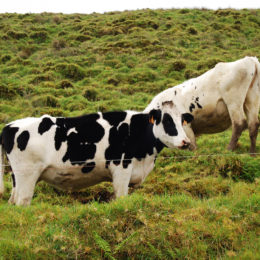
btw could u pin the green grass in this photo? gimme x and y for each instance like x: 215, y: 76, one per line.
x: 194, y: 205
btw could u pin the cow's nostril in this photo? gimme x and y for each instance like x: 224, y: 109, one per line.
x: 185, y: 144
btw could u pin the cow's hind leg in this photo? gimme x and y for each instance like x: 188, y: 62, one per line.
x: 25, y: 181
x: 237, y: 116
x: 252, y: 105
x: 239, y: 124
x: 12, y: 198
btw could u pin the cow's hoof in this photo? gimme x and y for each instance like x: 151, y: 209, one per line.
x: 252, y: 154
x: 232, y: 147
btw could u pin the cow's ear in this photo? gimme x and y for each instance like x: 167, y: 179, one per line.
x: 186, y: 118
x: 155, y: 116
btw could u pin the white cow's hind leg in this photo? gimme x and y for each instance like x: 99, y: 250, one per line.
x: 25, y: 180
x: 252, y: 105
x: 238, y: 119
x: 234, y: 95
x: 239, y: 124
x: 121, y: 178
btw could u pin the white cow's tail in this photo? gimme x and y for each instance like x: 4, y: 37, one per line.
x: 257, y: 65
x: 1, y: 167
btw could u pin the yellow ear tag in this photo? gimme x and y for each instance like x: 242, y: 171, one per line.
x: 151, y: 120
x: 185, y: 122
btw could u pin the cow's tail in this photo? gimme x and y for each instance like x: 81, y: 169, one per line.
x: 258, y: 73
x: 1, y: 167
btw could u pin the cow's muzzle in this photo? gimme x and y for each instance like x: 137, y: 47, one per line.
x: 185, y: 144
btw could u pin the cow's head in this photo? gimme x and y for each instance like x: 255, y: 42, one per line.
x: 168, y: 122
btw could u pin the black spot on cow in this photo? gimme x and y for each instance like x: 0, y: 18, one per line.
x: 13, y: 179
x: 199, y: 106
x: 192, y: 106
x: 8, y: 136
x: 175, y: 92
x: 61, y: 132
x: 45, y: 125
x: 155, y: 158
x: 114, y: 118
x: 118, y: 139
x: 81, y: 142
x: 187, y: 117
x: 169, y: 125
x: 134, y: 140
x: 88, y: 167
x: 126, y: 162
x: 78, y: 152
x: 197, y: 102
x: 22, y: 140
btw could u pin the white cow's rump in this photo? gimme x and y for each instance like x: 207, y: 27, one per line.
x: 74, y: 153
x: 227, y: 95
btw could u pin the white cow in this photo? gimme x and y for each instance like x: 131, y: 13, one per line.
x: 227, y: 95
x: 74, y: 153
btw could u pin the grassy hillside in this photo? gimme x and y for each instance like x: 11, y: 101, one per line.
x: 192, y: 206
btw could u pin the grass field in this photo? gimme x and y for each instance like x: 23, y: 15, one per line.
x: 194, y: 205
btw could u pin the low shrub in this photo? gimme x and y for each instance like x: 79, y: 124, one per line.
x: 16, y: 35
x: 39, y: 36
x: 82, y: 37
x: 5, y: 58
x: 93, y: 72
x: 42, y: 77
x: 27, y: 51
x: 65, y: 84
x: 7, y: 92
x: 45, y: 101
x: 113, y: 63
x: 191, y: 74
x: 58, y: 44
x: 90, y: 94
x: 89, y: 61
x: 192, y: 30
x: 70, y: 71
x: 176, y: 65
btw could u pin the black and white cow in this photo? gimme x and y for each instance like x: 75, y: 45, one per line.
x: 227, y: 95
x: 74, y: 153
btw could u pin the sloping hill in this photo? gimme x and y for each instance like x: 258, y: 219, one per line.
x: 69, y: 64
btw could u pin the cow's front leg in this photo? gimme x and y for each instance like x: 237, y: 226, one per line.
x: 189, y: 132
x: 121, y: 178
